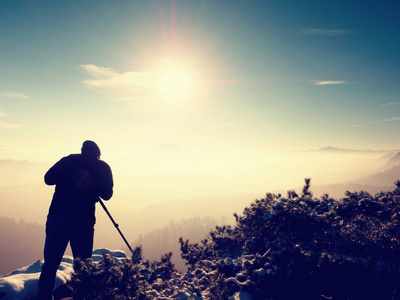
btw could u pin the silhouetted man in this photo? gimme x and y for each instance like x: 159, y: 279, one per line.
x: 80, y: 180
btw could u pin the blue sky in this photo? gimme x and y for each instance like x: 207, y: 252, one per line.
x: 264, y: 76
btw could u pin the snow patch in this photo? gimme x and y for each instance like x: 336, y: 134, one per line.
x: 241, y: 296
x: 23, y: 283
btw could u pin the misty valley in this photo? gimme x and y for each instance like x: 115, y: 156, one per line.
x: 158, y: 225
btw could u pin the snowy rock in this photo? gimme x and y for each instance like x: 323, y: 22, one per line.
x: 241, y: 296
x: 22, y: 283
x: 119, y: 256
x: 260, y: 272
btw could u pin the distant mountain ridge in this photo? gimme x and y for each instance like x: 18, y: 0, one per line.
x: 393, y: 161
x: 384, y: 178
x: 335, y: 149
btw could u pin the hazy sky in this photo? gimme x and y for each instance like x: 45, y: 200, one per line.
x: 165, y: 84
x: 203, y: 105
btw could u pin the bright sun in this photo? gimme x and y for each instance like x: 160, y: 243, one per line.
x: 175, y: 83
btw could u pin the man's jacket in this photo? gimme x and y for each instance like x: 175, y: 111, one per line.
x: 80, y: 180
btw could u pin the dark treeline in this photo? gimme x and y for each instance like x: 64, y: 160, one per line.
x: 281, y: 248
x: 21, y: 243
x: 159, y: 241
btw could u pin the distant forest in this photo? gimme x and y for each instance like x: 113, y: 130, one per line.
x: 21, y: 243
x: 159, y: 241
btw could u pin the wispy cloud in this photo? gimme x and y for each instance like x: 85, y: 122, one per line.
x: 386, y: 120
x: 391, y: 104
x: 329, y: 82
x: 325, y: 32
x: 13, y: 95
x: 99, y: 72
x: 4, y: 125
x: 123, y: 86
x: 320, y: 82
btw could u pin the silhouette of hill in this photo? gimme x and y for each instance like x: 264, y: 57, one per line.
x: 393, y: 161
x: 344, y: 150
x: 160, y: 241
x: 21, y: 243
x: 382, y: 179
x: 372, y: 183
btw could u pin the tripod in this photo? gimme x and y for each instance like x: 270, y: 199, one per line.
x: 116, y: 225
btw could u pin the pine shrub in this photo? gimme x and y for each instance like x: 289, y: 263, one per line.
x: 294, y: 247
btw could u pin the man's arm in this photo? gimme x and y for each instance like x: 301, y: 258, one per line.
x: 105, y: 187
x: 53, y: 175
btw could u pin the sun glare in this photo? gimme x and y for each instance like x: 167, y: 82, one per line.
x: 175, y: 83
